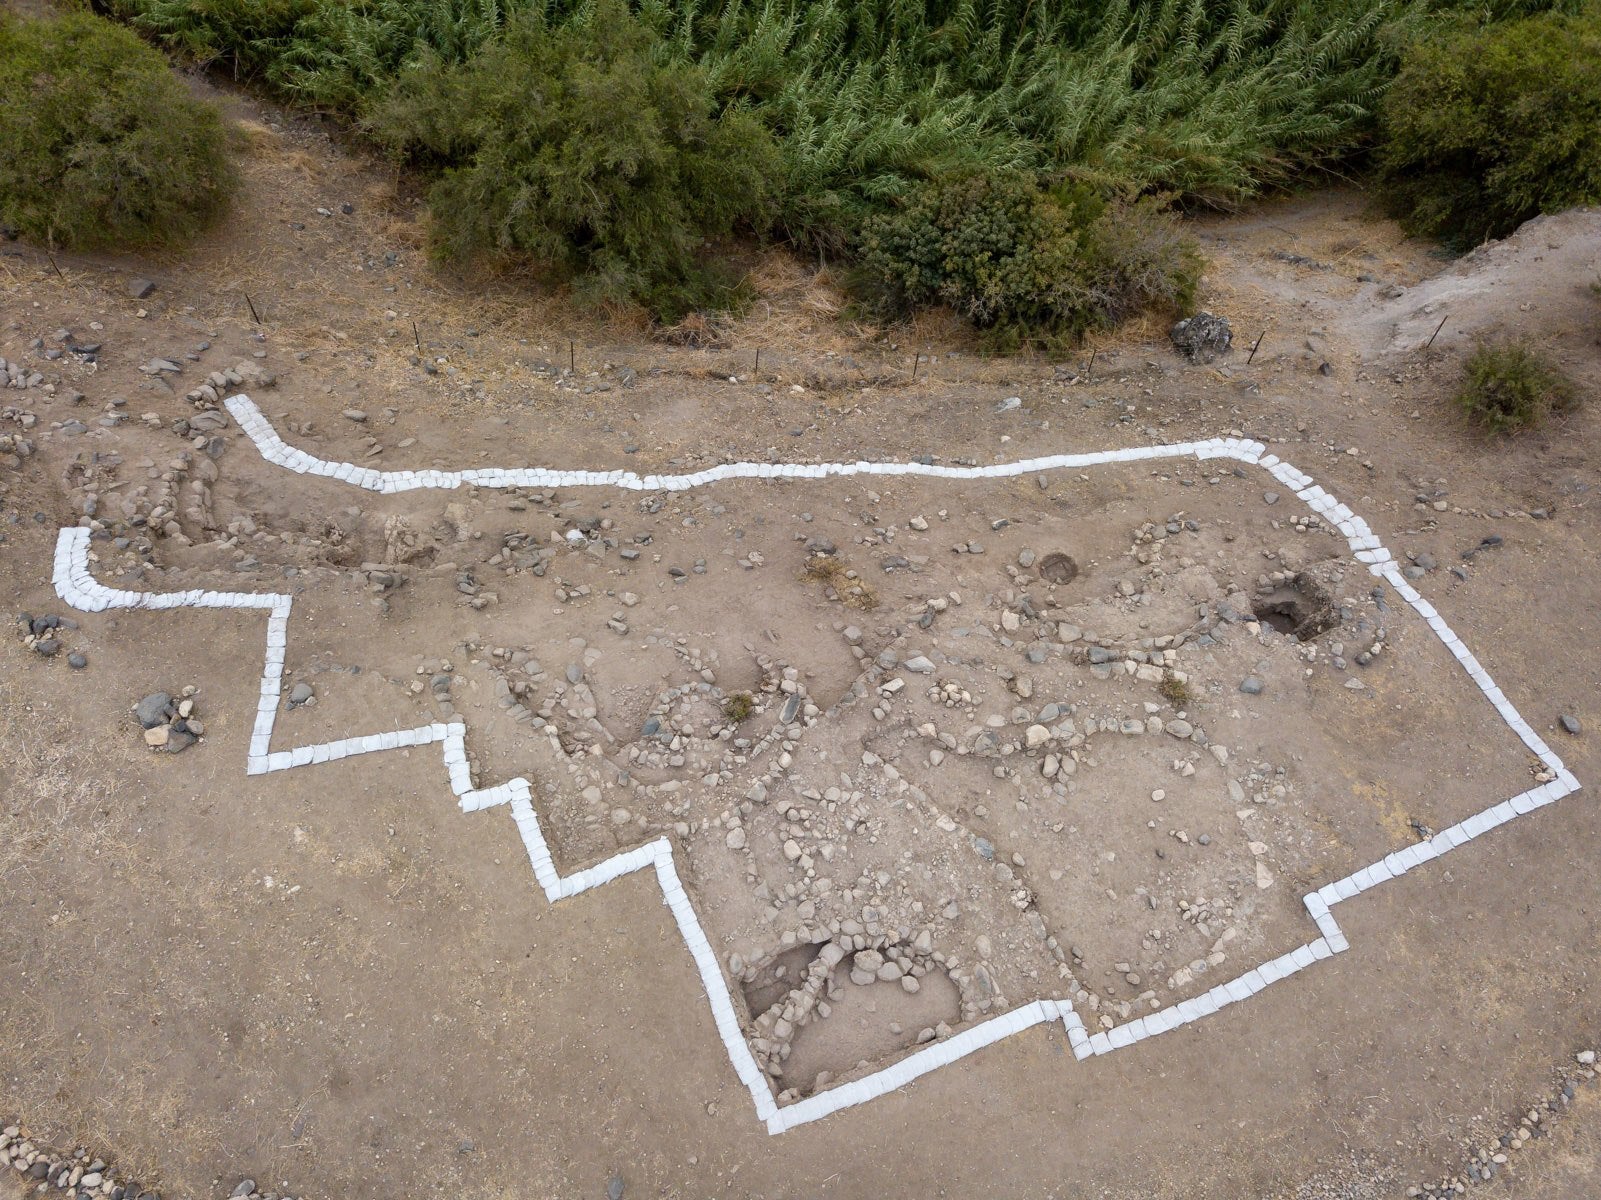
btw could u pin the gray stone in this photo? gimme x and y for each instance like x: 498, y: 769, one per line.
x: 1201, y: 338
x: 153, y: 709
x: 614, y: 1188
x: 77, y: 661
x: 1251, y: 685
x: 300, y: 693
x: 919, y: 664
x: 1180, y: 729
x: 141, y: 289
x: 1270, y: 497
x: 354, y: 414
x: 246, y: 1186
x: 1570, y: 723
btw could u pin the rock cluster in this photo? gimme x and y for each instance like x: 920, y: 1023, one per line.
x: 14, y: 447
x: 18, y: 376
x: 170, y: 725
x: 45, y: 634
x: 1489, y: 1160
x: 81, y: 1176
x: 1202, y: 338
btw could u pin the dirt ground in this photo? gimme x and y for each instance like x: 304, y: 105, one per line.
x: 334, y: 982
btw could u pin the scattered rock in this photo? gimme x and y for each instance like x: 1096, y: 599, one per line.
x: 1570, y: 724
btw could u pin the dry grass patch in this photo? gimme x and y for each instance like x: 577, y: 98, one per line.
x: 840, y: 582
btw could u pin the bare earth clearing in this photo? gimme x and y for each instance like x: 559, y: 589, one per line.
x: 333, y: 981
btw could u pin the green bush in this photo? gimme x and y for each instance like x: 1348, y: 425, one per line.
x: 1214, y: 99
x: 107, y: 149
x: 866, y: 101
x: 329, y: 53
x: 100, y: 143
x: 1024, y: 263
x: 247, y: 35
x: 576, y: 147
x: 1485, y: 128
x: 1507, y: 386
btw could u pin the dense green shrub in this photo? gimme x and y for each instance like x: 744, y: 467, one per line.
x: 1023, y: 262
x: 574, y: 146
x: 867, y: 101
x: 100, y: 143
x: 1507, y: 386
x: 1213, y: 99
x: 329, y: 53
x: 246, y: 34
x: 1485, y: 128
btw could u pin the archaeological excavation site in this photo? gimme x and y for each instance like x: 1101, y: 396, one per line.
x: 504, y: 697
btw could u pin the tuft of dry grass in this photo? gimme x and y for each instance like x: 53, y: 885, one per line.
x: 840, y: 582
x: 1175, y: 691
